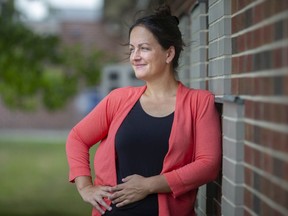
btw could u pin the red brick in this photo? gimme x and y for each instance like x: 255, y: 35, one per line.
x: 257, y: 160
x: 249, y: 132
x: 247, y: 86
x: 280, y: 195
x: 241, y: 64
x: 237, y: 23
x: 235, y: 86
x: 242, y: 85
x: 285, y: 61
x: 257, y: 38
x: 258, y: 13
x: 267, y: 209
x: 248, y: 157
x: 268, y: 34
x: 264, y: 86
x: 249, y: 63
x: 277, y: 140
x: 241, y: 43
x: 277, y: 58
x: 258, y: 109
x: 248, y: 199
x: 268, y: 10
x: 285, y: 28
x: 267, y: 188
x: 267, y: 137
x: 248, y: 177
x: 249, y: 40
x: 249, y: 109
x: 278, y: 6
x: 256, y: 86
x: 250, y: 87
x: 267, y: 164
x: 276, y: 113
x: 274, y: 191
x: 276, y: 212
x: 240, y: 4
x: 246, y: 213
x: 234, y: 7
x: 285, y: 174
x: 235, y: 65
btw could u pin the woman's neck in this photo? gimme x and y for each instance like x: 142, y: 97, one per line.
x: 161, y: 88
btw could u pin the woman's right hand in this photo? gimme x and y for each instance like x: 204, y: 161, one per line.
x: 93, y: 194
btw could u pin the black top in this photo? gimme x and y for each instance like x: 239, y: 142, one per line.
x: 141, y: 145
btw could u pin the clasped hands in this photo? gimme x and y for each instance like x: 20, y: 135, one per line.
x: 133, y: 188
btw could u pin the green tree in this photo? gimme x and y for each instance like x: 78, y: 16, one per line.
x: 35, y: 69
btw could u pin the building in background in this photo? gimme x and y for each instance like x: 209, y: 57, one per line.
x: 118, y: 75
x: 74, y: 27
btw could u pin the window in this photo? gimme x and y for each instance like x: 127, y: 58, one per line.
x: 113, y: 76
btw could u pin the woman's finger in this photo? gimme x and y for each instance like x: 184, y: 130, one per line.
x: 96, y: 206
x: 118, y: 198
x: 123, y: 203
x: 104, y: 204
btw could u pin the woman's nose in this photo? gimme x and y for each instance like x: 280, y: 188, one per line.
x: 136, y: 54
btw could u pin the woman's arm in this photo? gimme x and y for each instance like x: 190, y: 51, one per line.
x: 136, y: 187
x: 94, y: 195
x: 207, y: 150
x: 81, y: 138
x: 90, y: 130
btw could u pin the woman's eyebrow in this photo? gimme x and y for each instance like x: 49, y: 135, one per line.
x: 141, y: 44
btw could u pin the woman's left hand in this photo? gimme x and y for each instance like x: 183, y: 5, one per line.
x: 133, y: 188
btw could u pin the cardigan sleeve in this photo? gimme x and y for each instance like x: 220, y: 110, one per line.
x: 207, y: 151
x: 90, y: 130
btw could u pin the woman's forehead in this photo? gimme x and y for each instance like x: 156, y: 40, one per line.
x: 141, y: 35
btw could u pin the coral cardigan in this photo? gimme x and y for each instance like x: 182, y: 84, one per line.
x: 192, y: 160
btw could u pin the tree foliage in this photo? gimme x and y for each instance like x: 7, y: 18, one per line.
x: 37, y: 68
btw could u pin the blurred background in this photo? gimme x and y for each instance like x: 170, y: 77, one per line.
x: 59, y: 58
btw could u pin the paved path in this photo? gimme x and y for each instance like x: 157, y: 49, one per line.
x: 53, y: 136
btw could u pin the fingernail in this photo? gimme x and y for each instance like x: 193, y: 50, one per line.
x: 109, y: 209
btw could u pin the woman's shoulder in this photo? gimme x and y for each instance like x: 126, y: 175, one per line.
x: 199, y: 99
x: 193, y: 92
x: 125, y: 93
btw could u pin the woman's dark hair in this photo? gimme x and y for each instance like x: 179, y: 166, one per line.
x: 165, y: 29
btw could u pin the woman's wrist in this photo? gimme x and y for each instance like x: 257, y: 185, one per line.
x: 157, y: 184
x: 83, y: 182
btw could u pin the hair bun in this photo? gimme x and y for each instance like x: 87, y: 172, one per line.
x: 176, y: 19
x: 163, y: 10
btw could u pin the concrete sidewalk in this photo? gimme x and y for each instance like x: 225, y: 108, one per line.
x: 53, y: 136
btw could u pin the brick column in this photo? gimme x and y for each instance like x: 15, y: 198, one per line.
x: 219, y: 55
x: 199, y: 34
x: 233, y: 154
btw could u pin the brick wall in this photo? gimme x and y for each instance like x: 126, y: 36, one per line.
x: 260, y: 69
x: 239, y: 51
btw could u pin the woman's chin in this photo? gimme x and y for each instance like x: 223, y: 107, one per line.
x: 140, y: 76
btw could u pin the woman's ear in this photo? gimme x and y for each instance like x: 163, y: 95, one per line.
x: 170, y: 54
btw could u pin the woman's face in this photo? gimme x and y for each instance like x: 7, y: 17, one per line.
x: 147, y: 57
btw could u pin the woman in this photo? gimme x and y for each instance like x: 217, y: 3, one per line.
x: 159, y: 142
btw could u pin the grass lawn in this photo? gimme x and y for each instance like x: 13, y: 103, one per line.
x: 34, y: 180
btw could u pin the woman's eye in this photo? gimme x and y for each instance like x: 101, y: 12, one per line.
x: 144, y: 48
